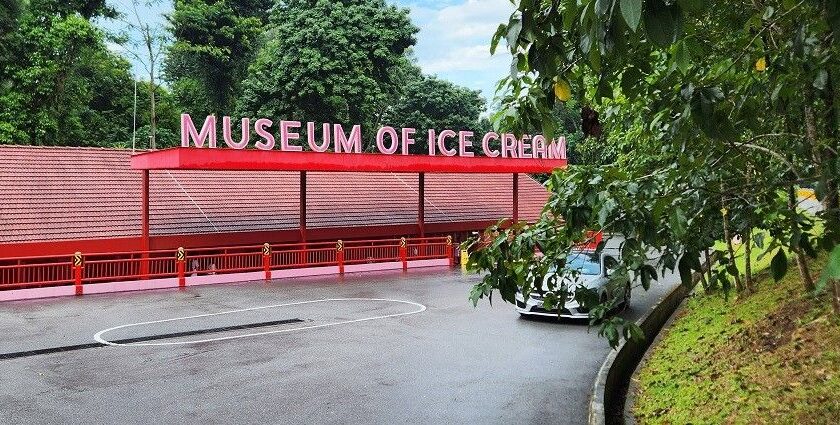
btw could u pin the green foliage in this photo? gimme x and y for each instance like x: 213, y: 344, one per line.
x: 328, y: 61
x: 707, y: 109
x: 87, y: 9
x: 832, y: 269
x: 63, y: 86
x: 431, y: 103
x: 214, y: 42
x: 9, y: 12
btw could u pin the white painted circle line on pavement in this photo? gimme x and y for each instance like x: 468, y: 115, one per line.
x: 98, y: 337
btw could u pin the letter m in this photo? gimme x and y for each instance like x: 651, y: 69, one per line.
x: 188, y: 131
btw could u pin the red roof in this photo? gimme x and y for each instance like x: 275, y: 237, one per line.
x: 61, y: 193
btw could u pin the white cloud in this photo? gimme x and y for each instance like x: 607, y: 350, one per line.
x: 465, y: 58
x: 454, y: 42
x: 114, y: 47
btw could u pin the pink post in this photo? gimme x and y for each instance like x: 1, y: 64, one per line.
x: 267, y: 260
x: 403, y: 254
x: 78, y: 266
x: 181, y: 266
x: 339, y: 256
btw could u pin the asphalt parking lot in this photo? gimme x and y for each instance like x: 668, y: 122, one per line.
x: 384, y: 348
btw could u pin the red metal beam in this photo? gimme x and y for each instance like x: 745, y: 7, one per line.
x: 249, y: 159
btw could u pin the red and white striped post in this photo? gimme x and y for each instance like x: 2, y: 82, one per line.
x: 181, y: 266
x: 267, y: 260
x: 339, y: 255
x: 78, y: 267
x: 404, y: 254
x: 449, y: 254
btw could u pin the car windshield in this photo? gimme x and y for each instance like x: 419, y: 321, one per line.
x: 585, y: 263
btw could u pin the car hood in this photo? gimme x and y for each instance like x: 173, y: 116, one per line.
x: 588, y: 281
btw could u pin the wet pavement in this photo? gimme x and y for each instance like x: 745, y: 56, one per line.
x: 382, y: 348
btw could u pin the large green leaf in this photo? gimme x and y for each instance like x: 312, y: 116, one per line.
x: 779, y: 265
x: 684, y: 267
x: 678, y: 222
x: 661, y: 22
x: 631, y: 11
x: 831, y: 270
x: 513, y: 31
x: 602, y: 7
x: 501, y: 31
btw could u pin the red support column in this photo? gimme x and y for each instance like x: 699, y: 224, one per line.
x: 421, y: 204
x: 515, y: 197
x: 449, y: 254
x: 144, y: 220
x: 302, y: 218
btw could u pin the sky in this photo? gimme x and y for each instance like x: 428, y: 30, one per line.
x: 453, y: 42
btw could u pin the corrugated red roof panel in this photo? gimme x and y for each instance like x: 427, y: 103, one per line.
x: 60, y: 193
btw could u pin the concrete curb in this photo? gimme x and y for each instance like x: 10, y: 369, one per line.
x: 606, y: 403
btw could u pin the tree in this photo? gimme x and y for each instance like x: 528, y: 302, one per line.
x: 145, y: 43
x: 430, y: 103
x: 328, y: 61
x: 214, y: 42
x: 10, y: 11
x: 61, y: 85
x: 167, y: 117
x: 709, y: 94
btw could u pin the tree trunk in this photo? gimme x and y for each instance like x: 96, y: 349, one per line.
x: 801, y: 261
x: 748, y: 280
x: 153, y: 119
x: 703, y: 280
x: 726, y: 235
x: 747, y: 242
x: 708, y: 264
x: 835, y: 299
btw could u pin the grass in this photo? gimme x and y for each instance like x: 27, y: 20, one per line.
x: 771, y: 357
x: 760, y: 259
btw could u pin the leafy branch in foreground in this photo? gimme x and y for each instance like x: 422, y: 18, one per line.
x: 719, y: 111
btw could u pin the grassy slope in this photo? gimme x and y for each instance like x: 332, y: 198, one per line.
x: 773, y: 357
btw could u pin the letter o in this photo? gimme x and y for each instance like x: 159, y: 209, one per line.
x: 380, y: 140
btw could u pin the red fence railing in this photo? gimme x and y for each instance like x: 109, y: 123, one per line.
x: 78, y: 269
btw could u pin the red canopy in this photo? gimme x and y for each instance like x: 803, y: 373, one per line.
x: 249, y: 159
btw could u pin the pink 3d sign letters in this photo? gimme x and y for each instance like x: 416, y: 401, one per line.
x: 293, y: 136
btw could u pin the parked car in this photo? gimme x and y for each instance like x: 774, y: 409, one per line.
x: 594, y: 273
